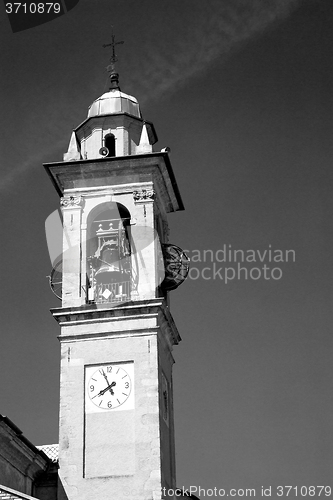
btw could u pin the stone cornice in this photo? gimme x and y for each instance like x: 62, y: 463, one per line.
x: 141, y: 168
x: 155, y: 310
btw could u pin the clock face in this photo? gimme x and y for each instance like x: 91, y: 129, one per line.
x: 109, y: 386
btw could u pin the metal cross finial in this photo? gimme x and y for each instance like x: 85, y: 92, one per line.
x: 113, y: 58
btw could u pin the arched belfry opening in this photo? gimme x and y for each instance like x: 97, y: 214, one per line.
x: 109, y: 254
x: 110, y: 144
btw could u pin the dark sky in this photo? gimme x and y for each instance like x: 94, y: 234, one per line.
x: 241, y: 91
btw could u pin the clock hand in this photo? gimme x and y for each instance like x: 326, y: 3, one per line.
x: 104, y: 375
x: 109, y: 386
x: 103, y: 391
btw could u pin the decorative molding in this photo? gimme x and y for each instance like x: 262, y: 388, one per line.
x: 117, y: 190
x: 90, y: 191
x: 71, y: 201
x: 144, y: 195
x: 154, y: 313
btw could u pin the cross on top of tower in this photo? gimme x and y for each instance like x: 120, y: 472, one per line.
x: 113, y: 59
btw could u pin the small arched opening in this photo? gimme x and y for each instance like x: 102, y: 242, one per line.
x: 110, y: 144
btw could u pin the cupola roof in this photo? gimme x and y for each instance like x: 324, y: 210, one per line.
x: 114, y: 102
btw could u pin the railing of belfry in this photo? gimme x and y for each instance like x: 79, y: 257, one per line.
x: 112, y: 292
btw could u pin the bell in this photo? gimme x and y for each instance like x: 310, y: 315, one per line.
x: 109, y: 271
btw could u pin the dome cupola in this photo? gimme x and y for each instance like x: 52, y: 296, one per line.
x: 114, y: 125
x: 114, y: 102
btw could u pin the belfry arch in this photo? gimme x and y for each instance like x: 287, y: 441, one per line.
x: 108, y: 254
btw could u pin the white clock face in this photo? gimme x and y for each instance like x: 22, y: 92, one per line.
x: 109, y: 386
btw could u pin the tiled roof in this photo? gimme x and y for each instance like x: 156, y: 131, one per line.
x: 51, y: 451
x: 9, y: 494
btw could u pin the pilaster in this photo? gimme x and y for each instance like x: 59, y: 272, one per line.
x: 72, y: 286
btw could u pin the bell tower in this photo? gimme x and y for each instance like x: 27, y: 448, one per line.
x: 116, y: 330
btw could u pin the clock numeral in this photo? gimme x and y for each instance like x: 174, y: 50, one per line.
x: 126, y: 385
x: 109, y: 404
x: 109, y: 369
x: 101, y: 371
x: 92, y: 388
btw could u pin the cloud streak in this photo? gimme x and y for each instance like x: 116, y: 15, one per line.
x: 212, y: 32
x: 35, y: 160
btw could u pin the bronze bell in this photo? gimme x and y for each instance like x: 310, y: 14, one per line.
x: 109, y: 271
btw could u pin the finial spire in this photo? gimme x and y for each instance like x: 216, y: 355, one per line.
x: 114, y: 77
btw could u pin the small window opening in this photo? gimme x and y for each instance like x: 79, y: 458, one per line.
x: 110, y: 143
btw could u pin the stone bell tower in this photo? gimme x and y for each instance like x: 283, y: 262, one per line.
x: 117, y: 333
